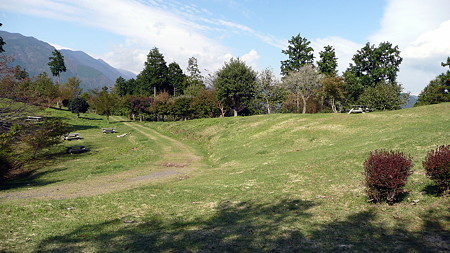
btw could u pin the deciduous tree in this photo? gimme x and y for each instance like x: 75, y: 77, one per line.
x: 384, y: 96
x: 269, y: 90
x: 44, y: 134
x: 372, y: 65
x: 303, y: 84
x: 437, y: 91
x: 333, y: 90
x: 236, y: 85
x: 78, y: 105
x: 103, y: 102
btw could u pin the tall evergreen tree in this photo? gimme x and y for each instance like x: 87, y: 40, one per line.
x: 121, y: 88
x: 153, y: 78
x: 2, y: 43
x: 299, y: 53
x: 328, y: 61
x: 56, y: 64
x: 176, y: 78
x: 194, y: 74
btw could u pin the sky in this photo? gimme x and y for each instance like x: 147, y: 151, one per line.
x: 122, y: 32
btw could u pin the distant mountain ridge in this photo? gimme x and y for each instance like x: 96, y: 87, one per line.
x: 32, y: 55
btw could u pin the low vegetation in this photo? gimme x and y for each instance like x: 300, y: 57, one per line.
x: 386, y: 174
x: 282, y: 182
x: 437, y: 166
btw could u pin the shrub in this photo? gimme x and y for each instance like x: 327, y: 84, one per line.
x: 437, y: 166
x: 386, y: 173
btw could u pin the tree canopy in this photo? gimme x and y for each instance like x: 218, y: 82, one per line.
x: 299, y: 53
x: 303, y: 84
x: 371, y: 66
x: 56, y: 64
x: 2, y: 43
x: 328, y: 61
x: 437, y: 91
x: 236, y: 85
x: 176, y: 78
x: 153, y: 78
x: 78, y: 105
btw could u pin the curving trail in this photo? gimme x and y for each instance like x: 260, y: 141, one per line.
x: 178, y: 160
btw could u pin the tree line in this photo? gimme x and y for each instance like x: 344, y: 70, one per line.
x: 164, y: 91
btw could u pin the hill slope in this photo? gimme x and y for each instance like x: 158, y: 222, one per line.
x: 32, y: 54
x: 275, y: 183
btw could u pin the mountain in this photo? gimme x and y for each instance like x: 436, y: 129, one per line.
x: 32, y: 55
x: 411, y: 101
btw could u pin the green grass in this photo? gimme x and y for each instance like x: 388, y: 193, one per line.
x: 284, y: 182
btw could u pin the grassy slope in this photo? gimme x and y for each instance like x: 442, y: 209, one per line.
x: 282, y: 182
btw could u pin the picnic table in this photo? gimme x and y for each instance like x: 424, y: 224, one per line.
x: 34, y: 118
x: 108, y: 130
x: 76, y: 149
x: 360, y: 109
x: 72, y: 136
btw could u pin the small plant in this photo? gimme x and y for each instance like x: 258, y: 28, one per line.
x: 437, y: 166
x: 386, y: 173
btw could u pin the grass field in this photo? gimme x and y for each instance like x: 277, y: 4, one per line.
x: 280, y: 183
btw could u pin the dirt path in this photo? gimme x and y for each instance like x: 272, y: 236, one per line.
x: 178, y: 160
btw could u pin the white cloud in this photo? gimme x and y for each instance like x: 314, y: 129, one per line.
x: 251, y: 58
x: 180, y: 30
x: 145, y: 24
x: 430, y: 44
x: 59, y: 47
x: 422, y: 31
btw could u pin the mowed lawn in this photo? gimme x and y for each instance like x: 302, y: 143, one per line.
x: 280, y: 183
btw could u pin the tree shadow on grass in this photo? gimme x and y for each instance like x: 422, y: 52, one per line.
x: 30, y: 179
x: 81, y: 127
x: 252, y: 227
x: 433, y: 190
x: 87, y: 118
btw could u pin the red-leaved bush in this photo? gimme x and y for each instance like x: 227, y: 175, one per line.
x: 386, y: 173
x: 437, y: 166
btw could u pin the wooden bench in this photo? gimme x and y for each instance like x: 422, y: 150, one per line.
x: 108, y: 130
x: 72, y: 136
x: 76, y: 150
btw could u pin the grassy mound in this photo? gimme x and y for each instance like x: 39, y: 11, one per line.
x: 280, y: 183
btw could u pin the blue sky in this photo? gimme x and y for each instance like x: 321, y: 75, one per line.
x: 122, y: 32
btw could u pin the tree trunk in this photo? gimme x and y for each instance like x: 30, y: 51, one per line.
x: 268, y: 106
x: 304, y: 104
x: 333, y: 105
x: 154, y: 91
x: 235, y: 113
x: 298, y: 103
